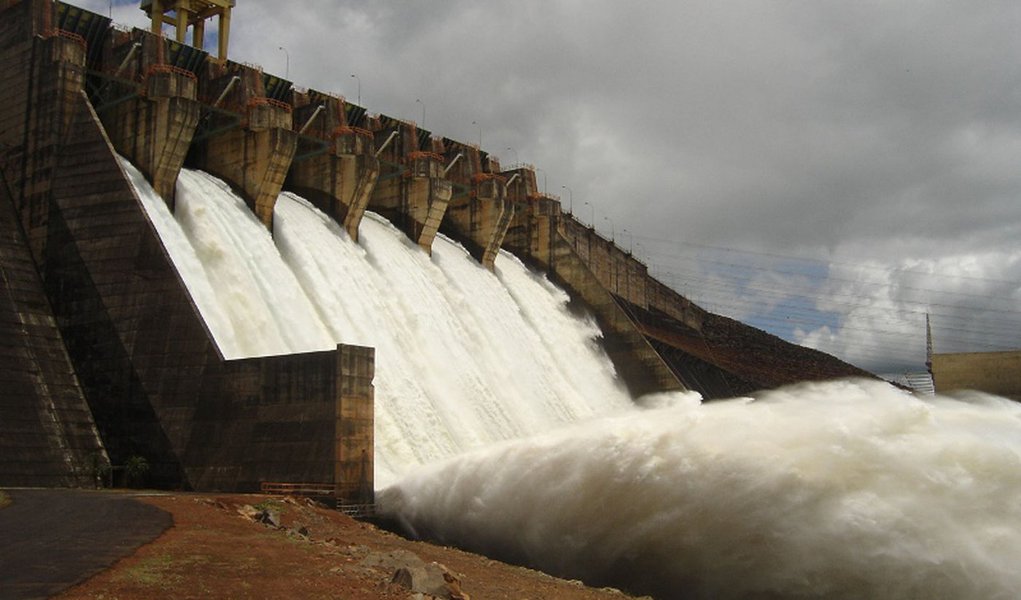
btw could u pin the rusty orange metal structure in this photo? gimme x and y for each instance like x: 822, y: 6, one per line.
x: 191, y: 13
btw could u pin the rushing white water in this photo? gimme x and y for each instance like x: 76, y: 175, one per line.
x: 188, y: 263
x: 464, y: 357
x: 269, y: 310
x: 848, y: 489
x: 247, y: 295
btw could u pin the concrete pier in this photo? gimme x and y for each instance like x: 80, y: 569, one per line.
x: 150, y: 123
x: 412, y: 191
x: 479, y: 213
x: 254, y: 152
x: 335, y: 167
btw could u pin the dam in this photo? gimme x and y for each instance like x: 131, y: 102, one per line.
x: 107, y: 352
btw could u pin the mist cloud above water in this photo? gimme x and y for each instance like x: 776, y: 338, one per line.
x: 866, y: 132
x: 841, y: 490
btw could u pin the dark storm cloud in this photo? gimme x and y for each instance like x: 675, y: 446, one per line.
x: 847, y: 131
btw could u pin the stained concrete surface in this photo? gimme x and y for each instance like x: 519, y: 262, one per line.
x: 51, y: 539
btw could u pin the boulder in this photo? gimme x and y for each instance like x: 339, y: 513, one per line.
x: 415, y: 575
x: 426, y: 579
x: 269, y: 517
x: 432, y: 579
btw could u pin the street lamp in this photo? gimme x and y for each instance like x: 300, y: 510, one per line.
x: 423, y: 111
x: 592, y: 221
x: 630, y: 241
x: 287, y: 67
x: 570, y: 200
x: 613, y: 234
x: 359, y: 80
x: 517, y: 158
x: 543, y: 171
x: 480, y: 133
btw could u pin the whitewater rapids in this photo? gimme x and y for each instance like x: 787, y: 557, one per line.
x: 846, y: 489
x: 850, y: 489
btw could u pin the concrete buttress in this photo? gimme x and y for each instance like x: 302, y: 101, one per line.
x: 154, y: 128
x: 412, y: 192
x: 339, y: 178
x: 245, y: 137
x: 479, y: 213
x: 255, y: 159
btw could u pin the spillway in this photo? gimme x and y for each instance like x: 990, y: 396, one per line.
x: 464, y: 357
x: 500, y: 427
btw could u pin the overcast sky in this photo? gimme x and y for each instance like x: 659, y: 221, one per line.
x: 830, y: 171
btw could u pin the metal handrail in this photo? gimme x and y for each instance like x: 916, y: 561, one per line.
x: 345, y: 130
x: 297, y: 489
x: 357, y: 510
x: 263, y: 101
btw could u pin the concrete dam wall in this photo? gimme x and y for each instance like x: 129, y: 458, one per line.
x: 106, y: 354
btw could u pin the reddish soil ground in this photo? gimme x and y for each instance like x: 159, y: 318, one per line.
x: 215, y: 551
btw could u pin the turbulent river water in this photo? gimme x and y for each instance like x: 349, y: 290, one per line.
x: 501, y: 427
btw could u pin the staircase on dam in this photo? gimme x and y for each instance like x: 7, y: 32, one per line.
x: 115, y: 332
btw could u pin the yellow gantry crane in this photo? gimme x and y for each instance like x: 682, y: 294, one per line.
x: 185, y: 13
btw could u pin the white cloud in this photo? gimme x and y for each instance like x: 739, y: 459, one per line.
x: 853, y: 132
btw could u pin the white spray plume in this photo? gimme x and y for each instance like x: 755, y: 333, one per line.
x: 850, y: 489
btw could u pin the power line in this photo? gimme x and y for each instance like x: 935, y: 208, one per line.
x: 832, y: 278
x: 853, y: 308
x: 826, y: 263
x: 850, y: 302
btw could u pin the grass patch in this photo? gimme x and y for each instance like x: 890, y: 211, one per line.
x: 274, y: 505
x: 5, y: 500
x: 163, y: 572
x: 157, y: 571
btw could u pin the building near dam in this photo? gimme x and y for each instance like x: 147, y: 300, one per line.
x: 997, y: 373
x: 104, y: 355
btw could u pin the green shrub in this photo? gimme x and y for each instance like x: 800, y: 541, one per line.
x: 134, y: 471
x: 98, y: 468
